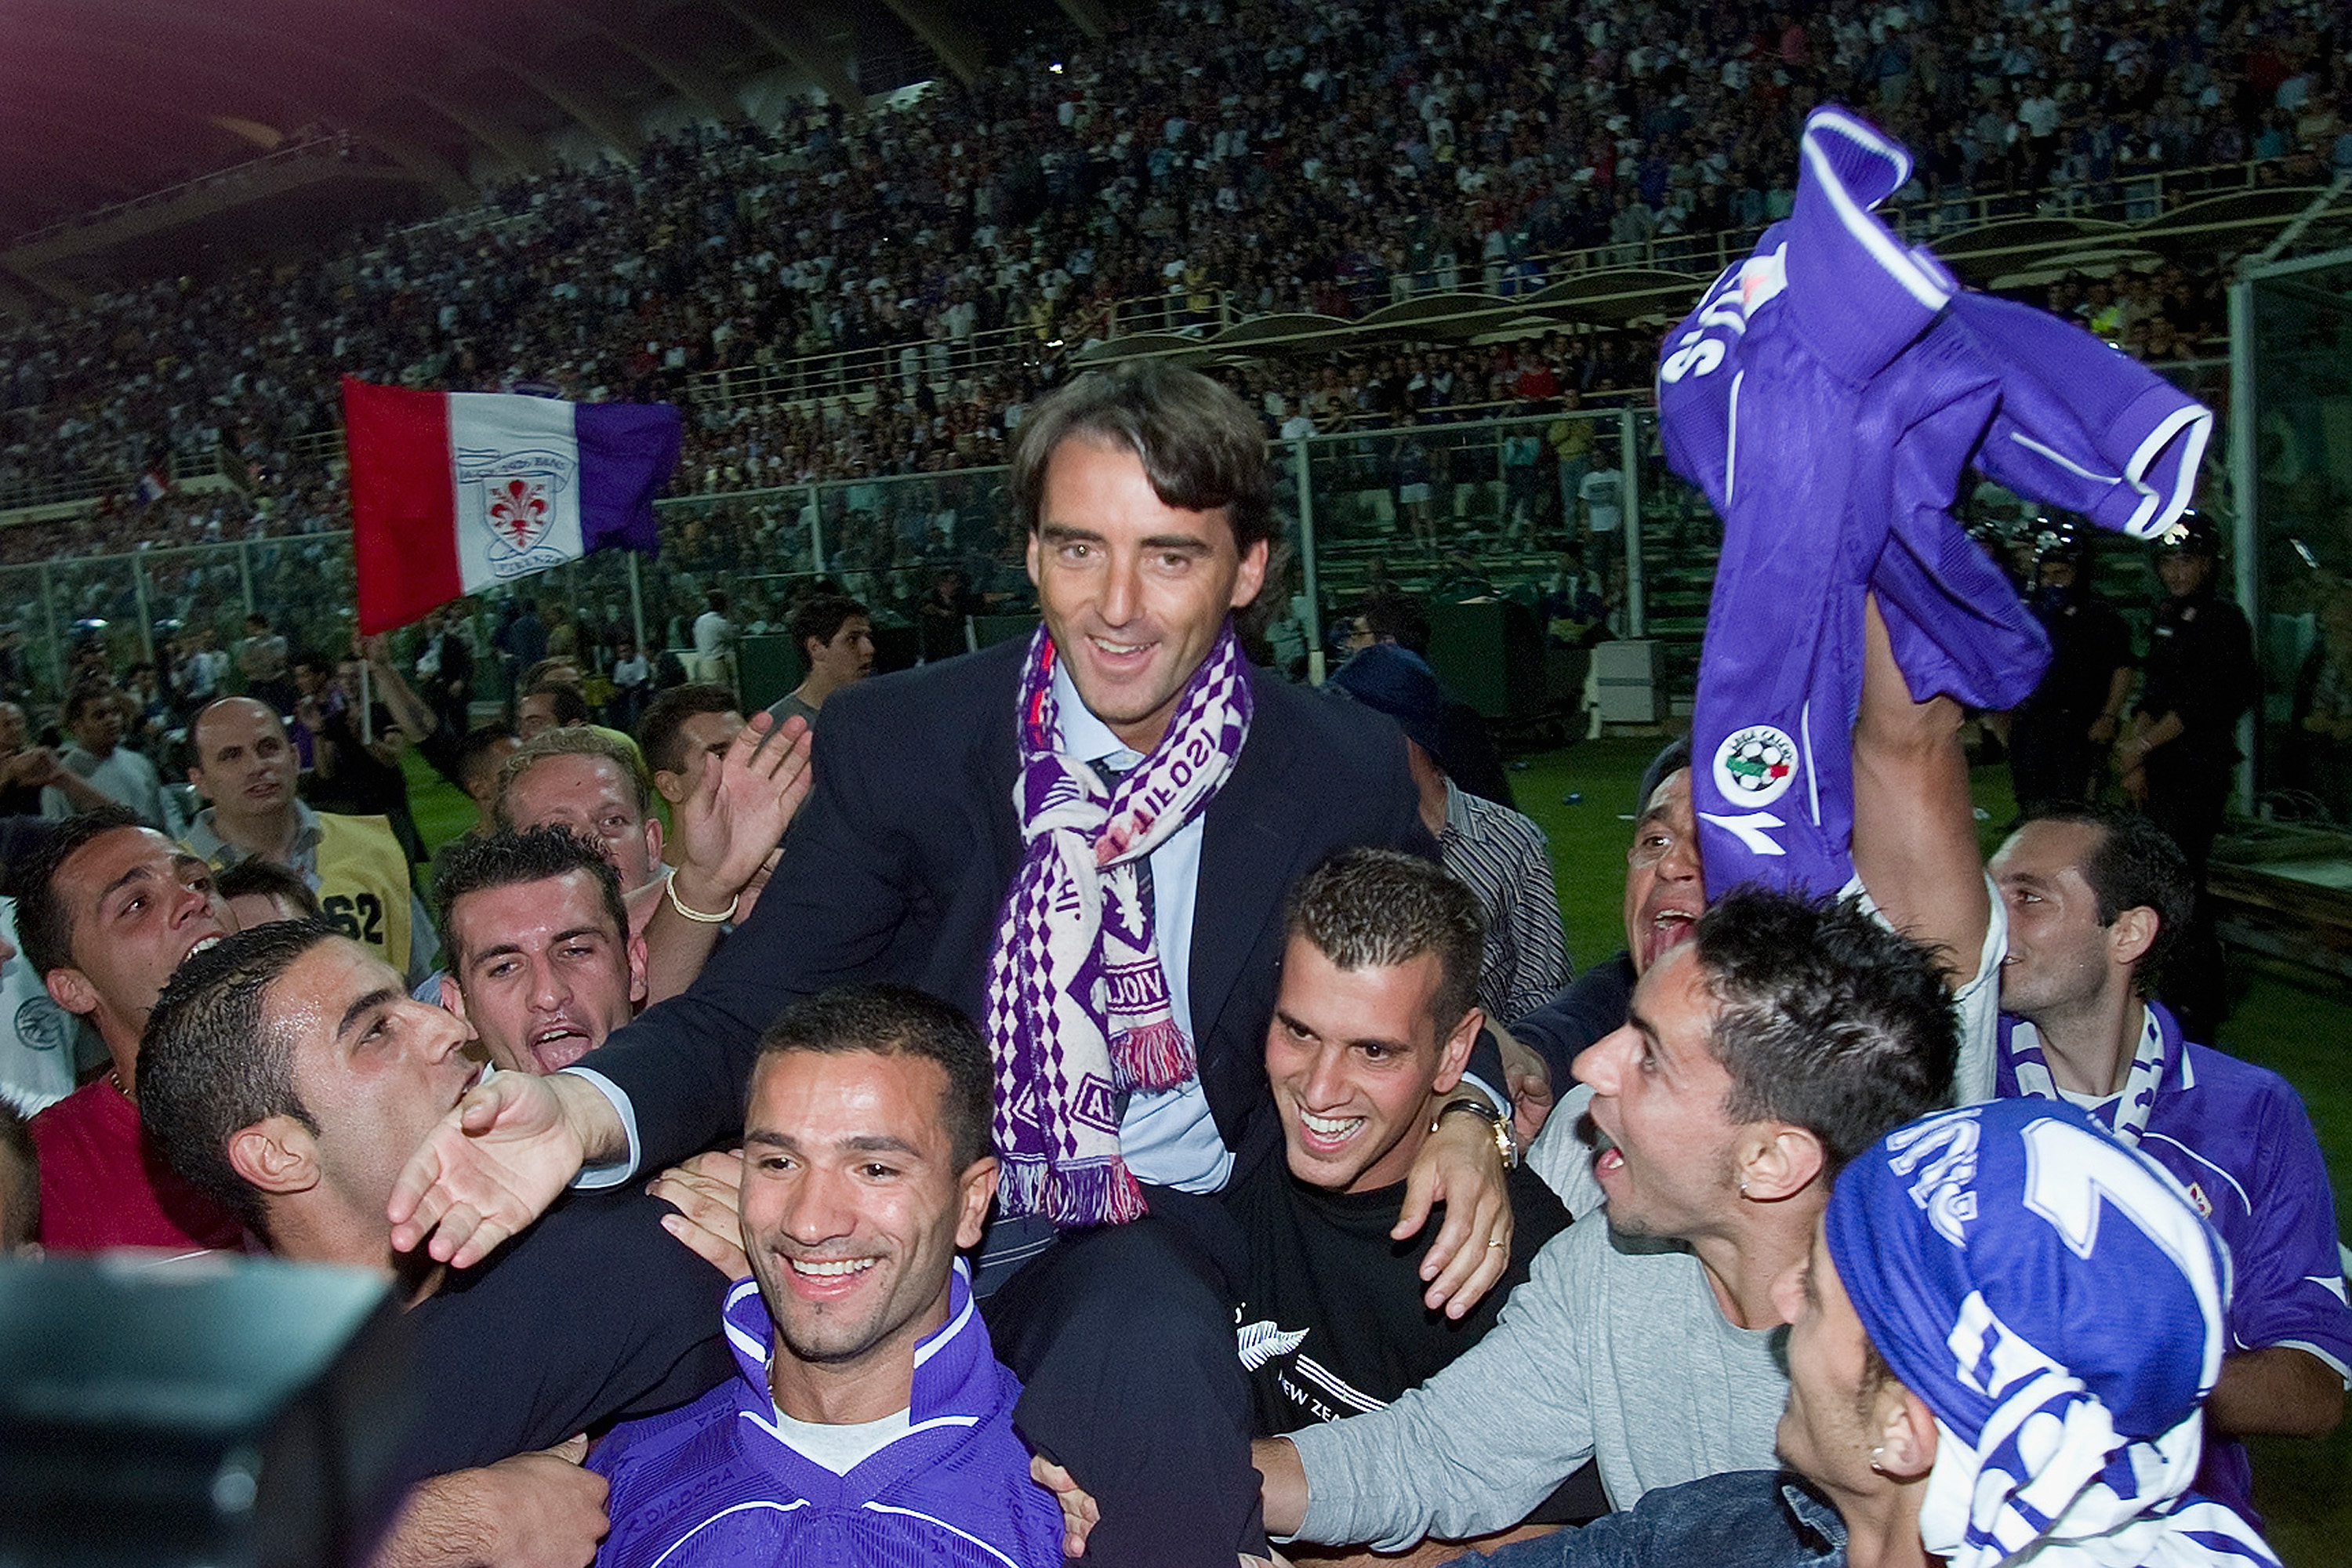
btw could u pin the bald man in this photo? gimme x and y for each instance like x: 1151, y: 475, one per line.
x: 241, y: 761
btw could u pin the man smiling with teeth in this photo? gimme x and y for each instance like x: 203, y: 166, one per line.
x: 109, y: 909
x: 870, y: 1423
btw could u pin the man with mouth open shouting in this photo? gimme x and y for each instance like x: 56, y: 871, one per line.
x: 109, y: 908
x: 1083, y: 842
x: 543, y: 963
x: 287, y: 1075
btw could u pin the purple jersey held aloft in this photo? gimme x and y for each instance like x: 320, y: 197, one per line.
x: 716, y: 1482
x: 1827, y: 394
x: 2236, y: 1136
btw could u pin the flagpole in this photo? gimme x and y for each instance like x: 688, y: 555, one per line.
x: 637, y: 610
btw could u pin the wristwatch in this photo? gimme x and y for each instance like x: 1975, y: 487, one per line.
x: 1499, y: 1124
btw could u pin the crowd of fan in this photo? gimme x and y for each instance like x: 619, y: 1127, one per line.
x: 1298, y: 157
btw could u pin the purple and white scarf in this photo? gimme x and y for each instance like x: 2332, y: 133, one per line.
x: 2024, y: 1071
x: 1078, y: 1013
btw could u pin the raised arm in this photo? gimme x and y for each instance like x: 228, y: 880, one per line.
x: 1915, y: 832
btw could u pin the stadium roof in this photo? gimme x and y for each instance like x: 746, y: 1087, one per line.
x: 365, y: 108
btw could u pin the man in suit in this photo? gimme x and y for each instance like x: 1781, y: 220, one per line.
x: 1149, y: 506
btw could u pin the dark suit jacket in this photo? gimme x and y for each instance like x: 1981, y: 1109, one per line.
x: 898, y: 868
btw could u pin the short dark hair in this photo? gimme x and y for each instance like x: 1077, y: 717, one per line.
x: 661, y: 734
x: 1370, y: 908
x: 822, y: 617
x: 20, y: 1181
x: 574, y: 743
x: 897, y: 1020
x: 481, y: 861
x: 1829, y: 1020
x: 85, y: 693
x: 545, y: 670
x: 253, y: 875
x: 209, y: 1067
x: 310, y: 658
x: 1199, y: 444
x: 571, y: 707
x: 480, y: 743
x: 44, y: 920
x: 2135, y: 864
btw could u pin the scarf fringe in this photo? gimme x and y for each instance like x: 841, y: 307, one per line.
x: 1099, y: 1191
x: 1155, y: 1057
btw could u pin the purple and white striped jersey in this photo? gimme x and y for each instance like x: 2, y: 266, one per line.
x: 1827, y: 394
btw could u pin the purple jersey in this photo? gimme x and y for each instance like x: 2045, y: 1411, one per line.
x: 718, y: 1482
x: 2235, y: 1135
x: 1828, y: 393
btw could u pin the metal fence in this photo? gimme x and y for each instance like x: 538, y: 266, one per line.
x: 1496, y: 508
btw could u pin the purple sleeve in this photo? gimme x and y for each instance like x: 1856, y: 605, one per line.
x: 2082, y: 426
x: 2290, y: 1273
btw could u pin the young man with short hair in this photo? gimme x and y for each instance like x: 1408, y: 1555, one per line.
x: 109, y: 908
x: 2000, y: 1338
x: 96, y: 755
x: 242, y: 762
x: 683, y: 728
x: 835, y: 635
x: 1761, y: 1055
x: 2098, y: 899
x: 287, y: 1073
x: 1371, y: 1028
x: 728, y: 830
x: 870, y: 1423
x: 542, y: 962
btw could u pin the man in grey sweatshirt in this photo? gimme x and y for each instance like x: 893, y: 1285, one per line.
x: 1780, y: 1041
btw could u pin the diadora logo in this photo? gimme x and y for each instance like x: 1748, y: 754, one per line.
x: 1755, y: 766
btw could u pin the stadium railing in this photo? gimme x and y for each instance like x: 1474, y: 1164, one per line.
x: 1453, y: 510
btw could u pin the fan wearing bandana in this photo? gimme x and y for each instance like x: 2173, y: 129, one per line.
x: 1083, y: 842
x: 2096, y: 898
x: 1999, y: 1345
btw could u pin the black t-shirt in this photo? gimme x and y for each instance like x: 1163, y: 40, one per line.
x: 593, y: 1315
x: 1332, y: 1323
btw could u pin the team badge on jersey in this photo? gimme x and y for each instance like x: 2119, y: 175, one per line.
x: 1755, y: 766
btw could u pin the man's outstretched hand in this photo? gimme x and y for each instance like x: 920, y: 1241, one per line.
x: 497, y: 1160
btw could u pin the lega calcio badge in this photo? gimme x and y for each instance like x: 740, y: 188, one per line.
x: 1755, y: 766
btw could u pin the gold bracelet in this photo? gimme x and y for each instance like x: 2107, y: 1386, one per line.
x: 696, y: 916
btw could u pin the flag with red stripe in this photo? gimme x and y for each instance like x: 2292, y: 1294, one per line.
x: 456, y: 493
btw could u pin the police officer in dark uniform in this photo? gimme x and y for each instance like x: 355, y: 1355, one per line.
x: 2059, y: 737
x: 2180, y: 753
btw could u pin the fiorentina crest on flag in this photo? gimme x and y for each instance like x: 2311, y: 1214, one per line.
x: 458, y: 492
x: 514, y: 502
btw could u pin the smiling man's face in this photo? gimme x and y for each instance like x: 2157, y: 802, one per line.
x: 852, y: 1204
x: 1132, y: 590
x: 138, y: 904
